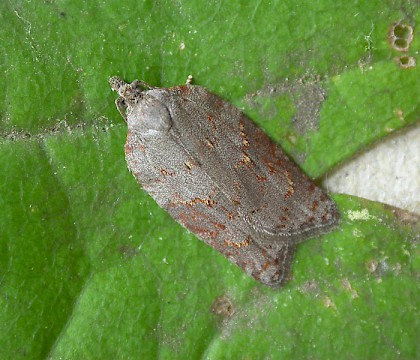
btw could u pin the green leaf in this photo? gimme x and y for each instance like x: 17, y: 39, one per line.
x: 92, y: 268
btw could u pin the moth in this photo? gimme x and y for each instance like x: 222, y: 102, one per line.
x: 220, y: 176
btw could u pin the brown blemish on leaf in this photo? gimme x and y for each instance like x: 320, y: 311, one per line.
x: 371, y: 265
x: 306, y: 94
x: 400, y: 114
x: 346, y: 285
x: 400, y: 36
x: 406, y: 62
x: 127, y: 251
x: 405, y: 217
x: 223, y: 306
x: 397, y: 268
x: 328, y: 303
x: 310, y: 286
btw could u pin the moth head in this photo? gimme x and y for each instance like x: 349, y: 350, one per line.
x: 149, y: 117
x: 141, y: 108
x: 129, y: 92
